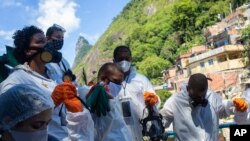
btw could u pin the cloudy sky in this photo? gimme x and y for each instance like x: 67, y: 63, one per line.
x: 89, y: 18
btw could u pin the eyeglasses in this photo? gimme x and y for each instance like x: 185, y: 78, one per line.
x: 60, y: 27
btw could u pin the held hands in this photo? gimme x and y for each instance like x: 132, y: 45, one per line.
x: 150, y: 98
x: 98, y: 100
x: 240, y: 104
x: 66, y: 93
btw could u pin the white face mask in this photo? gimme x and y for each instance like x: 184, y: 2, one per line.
x: 41, y: 135
x: 125, y: 65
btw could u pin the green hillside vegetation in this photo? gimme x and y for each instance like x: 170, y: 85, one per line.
x: 157, y: 31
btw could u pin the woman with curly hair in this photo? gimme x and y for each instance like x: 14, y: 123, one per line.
x: 33, y: 52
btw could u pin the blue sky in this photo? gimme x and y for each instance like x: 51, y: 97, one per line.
x: 89, y: 18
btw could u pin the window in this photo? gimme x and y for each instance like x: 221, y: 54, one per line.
x: 222, y: 58
x: 210, y: 61
x: 202, y: 64
x: 234, y: 56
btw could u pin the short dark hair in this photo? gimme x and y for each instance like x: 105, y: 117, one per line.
x: 53, y: 29
x: 22, y: 39
x: 119, y: 48
x: 199, y: 81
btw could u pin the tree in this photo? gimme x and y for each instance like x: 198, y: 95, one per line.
x: 164, y: 95
x: 152, y: 66
x: 245, y: 36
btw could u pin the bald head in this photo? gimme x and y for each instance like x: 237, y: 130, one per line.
x: 197, y: 87
x: 198, y: 82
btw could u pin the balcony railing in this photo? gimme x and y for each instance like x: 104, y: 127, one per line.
x: 171, y: 134
x: 207, y: 54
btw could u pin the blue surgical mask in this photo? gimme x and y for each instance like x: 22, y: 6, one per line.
x: 124, y: 65
x: 41, y: 135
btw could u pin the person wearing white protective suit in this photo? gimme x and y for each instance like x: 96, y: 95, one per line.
x: 31, y: 45
x: 24, y: 114
x: 195, y: 112
x: 244, y: 117
x: 58, y: 71
x: 61, y: 71
x: 109, y: 123
x: 130, y: 94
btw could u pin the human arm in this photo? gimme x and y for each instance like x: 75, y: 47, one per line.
x: 244, y: 117
x: 167, y: 112
x: 148, y: 88
x: 223, y: 108
x: 80, y: 126
x: 227, y: 107
x: 66, y: 93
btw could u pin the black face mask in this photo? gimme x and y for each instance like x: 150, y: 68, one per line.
x: 198, y: 102
x: 48, y: 54
x: 57, y: 44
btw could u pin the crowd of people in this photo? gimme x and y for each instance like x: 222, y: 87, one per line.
x: 40, y: 100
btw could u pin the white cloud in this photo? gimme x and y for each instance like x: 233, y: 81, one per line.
x: 7, y: 35
x: 62, y: 12
x: 91, y: 38
x: 6, y: 3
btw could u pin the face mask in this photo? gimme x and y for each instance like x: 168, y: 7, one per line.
x: 48, y: 54
x: 116, y: 82
x: 197, y: 102
x: 125, y: 65
x: 41, y: 135
x: 57, y: 44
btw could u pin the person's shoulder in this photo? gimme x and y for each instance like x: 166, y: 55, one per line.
x: 211, y: 93
x: 180, y: 97
x: 14, y: 78
x: 17, y: 73
x: 141, y: 76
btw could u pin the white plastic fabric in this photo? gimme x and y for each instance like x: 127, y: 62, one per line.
x: 112, y: 126
x: 80, y: 126
x: 83, y: 91
x: 24, y: 75
x: 195, y: 124
x: 55, y: 71
x: 244, y: 117
x: 20, y: 103
x: 135, y: 85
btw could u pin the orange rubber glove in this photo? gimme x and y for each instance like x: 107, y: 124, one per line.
x: 240, y: 104
x: 65, y: 90
x: 66, y: 93
x: 73, y: 105
x: 150, y: 98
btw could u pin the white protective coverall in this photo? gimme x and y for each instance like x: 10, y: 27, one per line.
x: 80, y: 125
x: 133, y: 88
x: 244, y: 117
x: 195, y: 123
x: 56, y: 70
x: 111, y: 127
